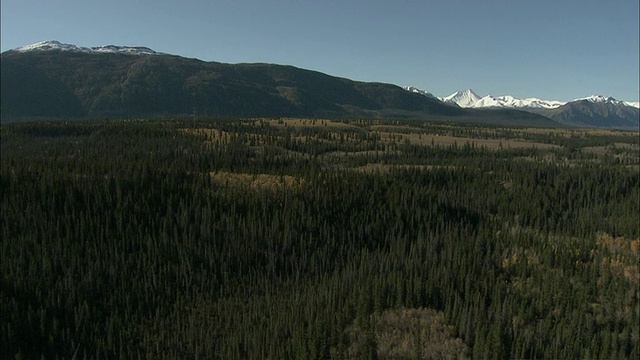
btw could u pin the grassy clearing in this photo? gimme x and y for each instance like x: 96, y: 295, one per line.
x: 569, y: 132
x: 341, y: 139
x: 408, y: 334
x: 383, y: 168
x: 491, y: 144
x: 619, y: 255
x: 255, y: 181
x: 298, y: 122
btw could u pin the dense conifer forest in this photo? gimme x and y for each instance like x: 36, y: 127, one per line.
x: 315, y: 239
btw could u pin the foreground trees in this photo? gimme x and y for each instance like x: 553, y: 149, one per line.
x: 225, y: 238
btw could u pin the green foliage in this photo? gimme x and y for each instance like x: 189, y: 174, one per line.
x: 228, y: 238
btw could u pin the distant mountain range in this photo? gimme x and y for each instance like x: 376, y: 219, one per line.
x: 468, y: 98
x: 592, y: 111
x: 55, y: 80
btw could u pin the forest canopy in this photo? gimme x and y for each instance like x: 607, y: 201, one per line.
x: 305, y: 238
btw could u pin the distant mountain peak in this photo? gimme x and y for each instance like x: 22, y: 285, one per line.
x: 601, y: 99
x: 464, y: 98
x: 53, y: 45
x: 468, y: 98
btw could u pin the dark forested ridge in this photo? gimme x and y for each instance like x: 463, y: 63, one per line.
x: 584, y: 113
x: 296, y: 238
x: 64, y: 84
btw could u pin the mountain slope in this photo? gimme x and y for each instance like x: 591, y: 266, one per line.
x: 115, y: 84
x: 55, y: 80
x: 595, y: 114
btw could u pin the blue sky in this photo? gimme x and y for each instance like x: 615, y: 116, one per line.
x: 559, y: 49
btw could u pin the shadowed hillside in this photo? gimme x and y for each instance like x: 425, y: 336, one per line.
x: 58, y: 84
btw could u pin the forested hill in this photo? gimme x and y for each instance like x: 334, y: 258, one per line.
x: 63, y: 84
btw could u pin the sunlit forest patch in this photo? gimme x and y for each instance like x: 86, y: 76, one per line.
x: 406, y: 334
x: 255, y: 181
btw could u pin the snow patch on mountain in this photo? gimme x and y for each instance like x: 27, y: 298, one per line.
x: 53, y: 45
x: 133, y: 50
x: 419, y: 91
x: 508, y: 101
x: 635, y: 104
x: 609, y: 100
x: 50, y: 46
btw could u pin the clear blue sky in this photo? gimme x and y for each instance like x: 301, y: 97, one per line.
x: 551, y: 49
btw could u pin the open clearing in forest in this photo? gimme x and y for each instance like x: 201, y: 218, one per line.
x: 384, y: 168
x: 254, y: 181
x: 620, y: 144
x: 569, y: 132
x: 443, y: 140
x: 319, y: 123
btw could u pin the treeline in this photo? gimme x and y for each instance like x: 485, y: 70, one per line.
x: 120, y: 240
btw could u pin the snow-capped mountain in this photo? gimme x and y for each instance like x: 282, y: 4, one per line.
x: 58, y: 46
x: 508, y: 101
x: 609, y: 100
x: 591, y: 111
x: 469, y: 99
x: 465, y: 98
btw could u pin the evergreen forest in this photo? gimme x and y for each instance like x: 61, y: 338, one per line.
x: 238, y: 238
